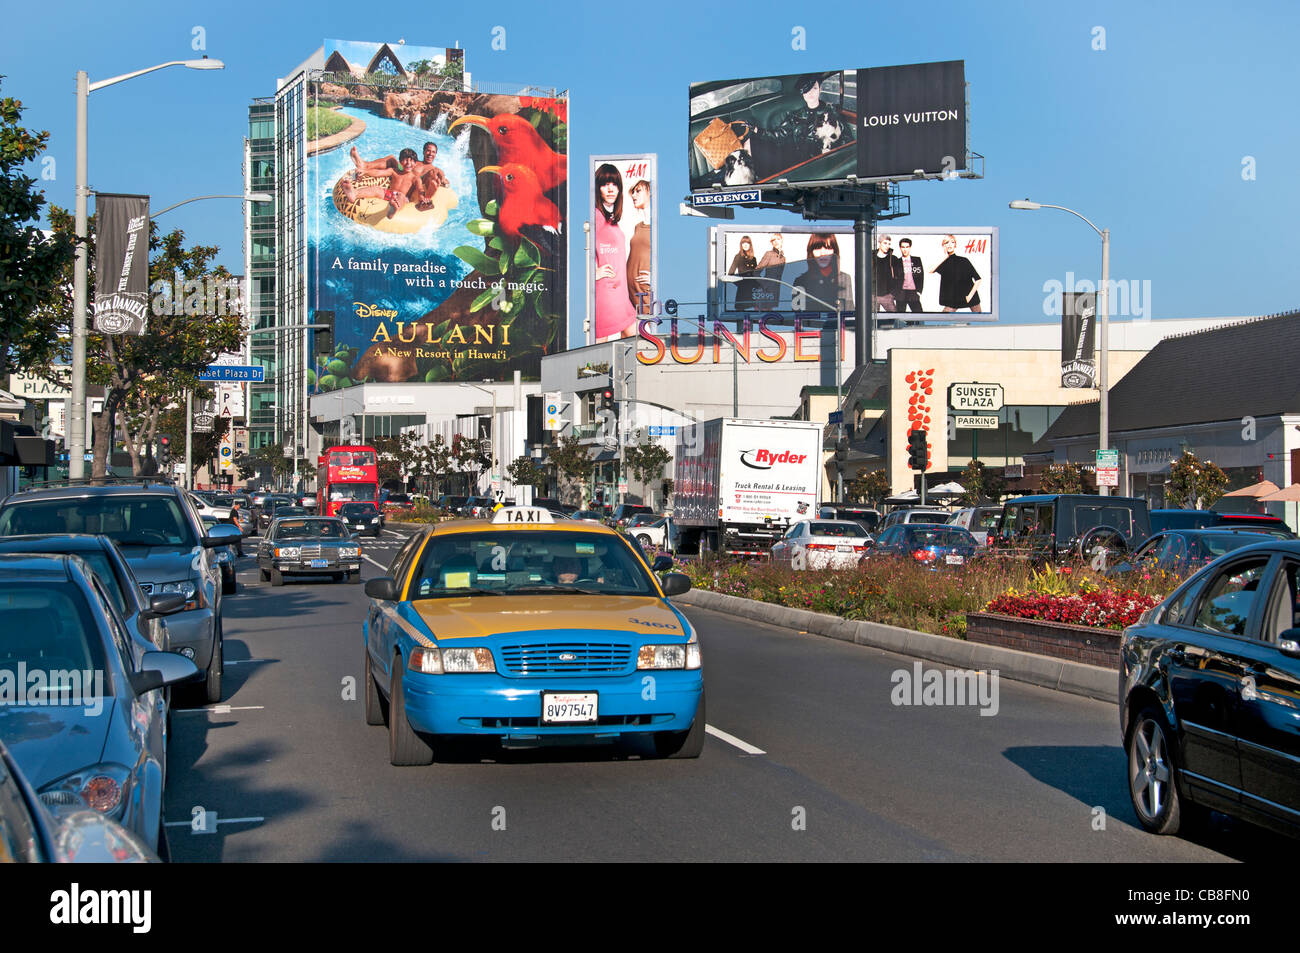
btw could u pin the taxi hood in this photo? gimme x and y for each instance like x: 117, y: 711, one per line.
x: 480, y: 617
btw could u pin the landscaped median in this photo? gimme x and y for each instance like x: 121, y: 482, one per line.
x: 966, y: 617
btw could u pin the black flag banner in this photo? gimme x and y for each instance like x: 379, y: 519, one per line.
x: 1078, y: 332
x: 121, y: 263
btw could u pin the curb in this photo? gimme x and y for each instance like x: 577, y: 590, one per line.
x: 1074, y: 678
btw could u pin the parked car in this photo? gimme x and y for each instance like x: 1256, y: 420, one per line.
x: 162, y: 539
x: 265, y: 512
x: 590, y: 516
x: 662, y: 534
x: 625, y: 511
x: 362, y: 518
x: 1205, y: 519
x: 31, y: 834
x: 935, y: 546
x: 451, y: 504
x: 551, y: 503
x: 205, y: 506
x: 1207, y: 695
x: 400, y: 501
x: 915, y: 514
x: 980, y: 520
x: 641, y: 519
x: 84, y: 742
x: 1058, y: 527
x: 1181, y: 551
x: 822, y: 544
x: 309, y: 546
x: 225, y: 559
x: 868, y: 516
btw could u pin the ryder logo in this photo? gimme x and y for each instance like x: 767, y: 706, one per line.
x: 766, y: 459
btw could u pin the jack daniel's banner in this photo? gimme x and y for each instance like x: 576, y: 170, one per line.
x: 1078, y: 332
x: 121, y: 263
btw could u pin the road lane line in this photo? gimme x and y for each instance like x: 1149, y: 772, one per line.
x: 246, y: 661
x: 220, y: 709
x: 733, y: 740
x: 373, y: 563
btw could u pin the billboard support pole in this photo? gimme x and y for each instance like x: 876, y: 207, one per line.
x: 864, y: 319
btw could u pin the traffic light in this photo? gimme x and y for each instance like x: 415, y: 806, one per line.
x: 164, y: 453
x: 918, y: 456
x: 607, y: 401
x: 323, y: 338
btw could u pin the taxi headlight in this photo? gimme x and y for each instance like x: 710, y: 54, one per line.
x: 288, y: 552
x: 468, y: 660
x: 661, y: 656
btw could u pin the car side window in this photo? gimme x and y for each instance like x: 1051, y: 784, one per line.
x: 1046, y: 517
x: 120, y: 638
x: 1230, y: 596
x: 1282, y: 612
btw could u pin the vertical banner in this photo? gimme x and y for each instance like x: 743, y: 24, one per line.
x: 625, y: 216
x: 1078, y: 332
x: 121, y: 263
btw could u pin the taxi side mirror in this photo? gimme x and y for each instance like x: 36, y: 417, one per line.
x: 676, y: 583
x: 384, y: 588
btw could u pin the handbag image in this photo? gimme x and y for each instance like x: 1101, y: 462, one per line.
x: 718, y: 139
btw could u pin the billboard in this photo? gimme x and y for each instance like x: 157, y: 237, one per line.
x: 624, y: 247
x: 771, y: 264
x: 918, y: 274
x: 435, y: 222
x: 121, y: 263
x: 821, y: 127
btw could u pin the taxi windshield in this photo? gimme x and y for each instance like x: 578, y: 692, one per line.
x: 528, y: 562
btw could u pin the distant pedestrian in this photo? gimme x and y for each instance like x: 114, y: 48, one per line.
x: 238, y: 519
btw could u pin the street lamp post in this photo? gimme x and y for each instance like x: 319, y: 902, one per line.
x: 77, y: 423
x: 276, y: 329
x: 839, y: 333
x: 493, y: 431
x: 1103, y: 309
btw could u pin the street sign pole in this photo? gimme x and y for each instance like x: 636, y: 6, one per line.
x: 189, y: 426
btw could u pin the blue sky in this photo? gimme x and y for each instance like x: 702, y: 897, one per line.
x: 1149, y: 136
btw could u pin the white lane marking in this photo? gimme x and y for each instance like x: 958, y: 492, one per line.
x: 393, y: 532
x: 246, y: 661
x: 220, y: 709
x: 219, y: 820
x: 373, y: 563
x: 733, y: 740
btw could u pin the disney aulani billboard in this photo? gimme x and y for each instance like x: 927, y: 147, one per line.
x: 435, y: 221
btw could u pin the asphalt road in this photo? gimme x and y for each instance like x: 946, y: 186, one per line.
x: 808, y: 758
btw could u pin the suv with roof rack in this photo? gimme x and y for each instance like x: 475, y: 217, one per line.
x: 162, y: 537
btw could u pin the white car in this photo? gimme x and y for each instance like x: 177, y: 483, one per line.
x: 822, y: 544
x: 660, y: 534
x: 980, y: 520
x: 220, y: 513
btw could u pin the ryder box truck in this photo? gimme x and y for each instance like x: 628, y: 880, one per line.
x: 738, y: 485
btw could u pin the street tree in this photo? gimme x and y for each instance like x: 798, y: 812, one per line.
x: 572, y: 463
x: 31, y: 264
x: 868, y: 487
x: 1195, y: 484
x: 142, y: 374
x: 1063, y: 478
x: 980, y: 485
x: 471, y: 456
x: 525, y: 471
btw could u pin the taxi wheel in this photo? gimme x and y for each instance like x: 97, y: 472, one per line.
x: 405, y: 745
x: 683, y: 744
x: 277, y: 577
x: 376, y: 704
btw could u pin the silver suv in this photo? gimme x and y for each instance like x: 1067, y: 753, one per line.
x: 162, y: 537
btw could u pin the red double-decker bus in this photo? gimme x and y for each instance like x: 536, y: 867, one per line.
x: 345, y: 475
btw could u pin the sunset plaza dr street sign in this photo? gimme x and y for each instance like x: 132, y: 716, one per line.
x: 237, y: 373
x: 975, y: 397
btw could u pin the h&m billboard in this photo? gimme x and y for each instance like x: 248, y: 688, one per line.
x: 624, y: 243
x: 435, y: 219
x: 821, y: 127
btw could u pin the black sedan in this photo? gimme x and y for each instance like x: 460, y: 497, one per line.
x: 361, y: 518
x: 1181, y: 551
x: 310, y: 546
x: 1209, y: 683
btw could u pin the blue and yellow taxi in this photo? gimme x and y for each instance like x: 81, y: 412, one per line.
x: 530, y: 630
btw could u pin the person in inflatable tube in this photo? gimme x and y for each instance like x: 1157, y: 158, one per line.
x: 410, y: 180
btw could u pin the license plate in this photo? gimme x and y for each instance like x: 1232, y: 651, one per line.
x: 955, y: 560
x: 568, y: 707
x: 844, y: 549
x: 322, y: 563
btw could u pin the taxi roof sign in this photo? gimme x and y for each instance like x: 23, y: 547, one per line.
x: 523, y: 515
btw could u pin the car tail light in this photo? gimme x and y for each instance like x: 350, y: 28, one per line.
x: 820, y: 547
x: 923, y: 556
x: 859, y: 549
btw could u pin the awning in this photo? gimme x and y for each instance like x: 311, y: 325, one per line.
x: 1257, y: 490
x: 1290, y: 495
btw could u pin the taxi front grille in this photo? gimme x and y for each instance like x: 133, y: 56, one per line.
x: 566, y: 658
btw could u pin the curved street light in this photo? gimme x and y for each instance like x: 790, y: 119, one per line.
x: 1103, y: 308
x: 77, y: 421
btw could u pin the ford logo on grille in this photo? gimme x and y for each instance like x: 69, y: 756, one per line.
x: 568, y: 657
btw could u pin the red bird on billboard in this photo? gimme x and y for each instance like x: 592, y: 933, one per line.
x: 518, y: 143
x: 524, y: 204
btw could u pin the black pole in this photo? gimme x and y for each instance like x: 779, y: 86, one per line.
x: 864, y: 327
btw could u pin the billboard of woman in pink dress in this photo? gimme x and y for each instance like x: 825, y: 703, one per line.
x: 614, y: 315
